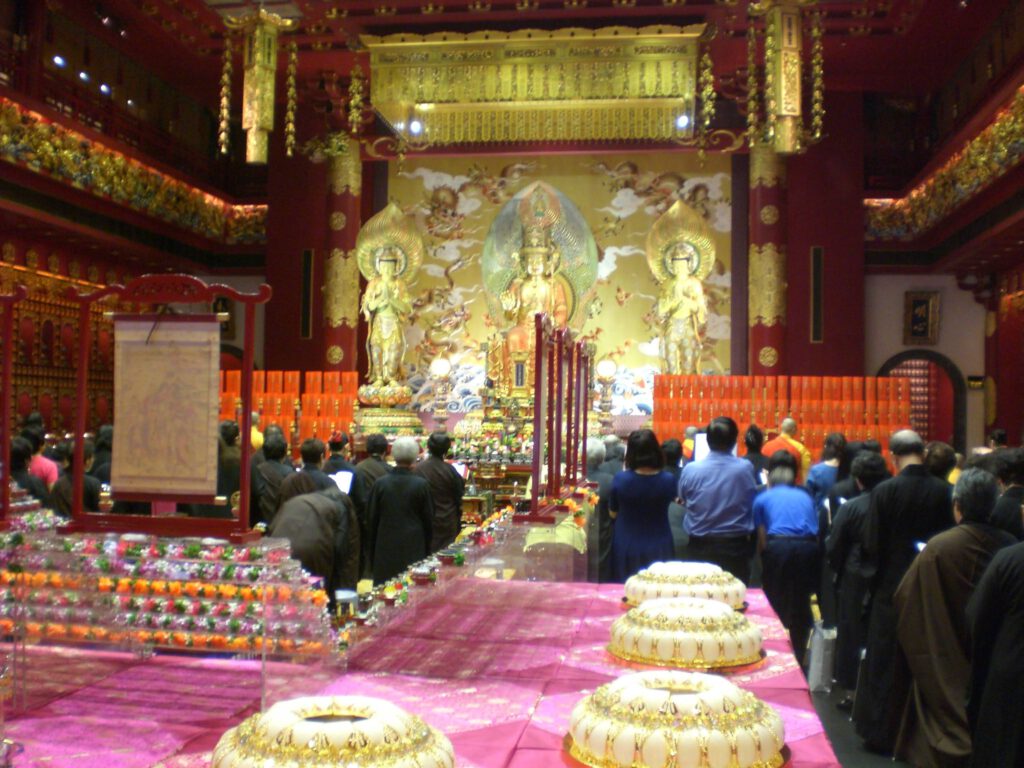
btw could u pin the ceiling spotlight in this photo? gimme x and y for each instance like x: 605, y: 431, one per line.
x: 59, y: 61
x: 131, y: 102
x: 415, y: 127
x: 682, y: 121
x: 83, y: 76
x: 106, y: 21
x: 123, y: 33
x: 105, y: 89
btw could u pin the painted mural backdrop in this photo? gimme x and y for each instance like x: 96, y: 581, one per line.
x: 454, y: 202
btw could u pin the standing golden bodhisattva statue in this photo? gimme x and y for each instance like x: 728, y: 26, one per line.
x: 681, y: 254
x: 386, y: 306
x: 535, y: 289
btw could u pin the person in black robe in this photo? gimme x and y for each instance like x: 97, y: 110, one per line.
x: 61, y: 495
x: 336, y: 462
x: 1009, y: 511
x: 103, y: 456
x: 446, y: 489
x: 614, y: 454
x: 995, y: 618
x: 368, y: 472
x: 21, y: 454
x: 401, y: 512
x: 933, y: 667
x: 310, y: 477
x: 324, y: 536
x: 267, y: 477
x: 753, y: 439
x: 903, y: 514
x: 843, y: 549
x: 602, y: 524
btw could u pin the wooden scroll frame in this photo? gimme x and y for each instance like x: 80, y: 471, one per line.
x: 165, y: 289
x: 576, y: 468
x: 7, y: 302
x: 543, y: 395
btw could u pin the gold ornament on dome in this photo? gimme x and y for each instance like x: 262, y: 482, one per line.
x: 614, y: 83
x: 769, y: 215
x: 767, y: 285
x: 338, y: 221
x: 9, y: 253
x: 53, y: 263
x: 32, y: 259
x: 341, y: 290
x: 335, y: 354
x: 768, y: 357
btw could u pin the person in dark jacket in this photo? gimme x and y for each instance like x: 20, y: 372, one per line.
x: 904, y: 512
x: 310, y: 477
x: 368, y: 471
x: 267, y: 477
x: 843, y: 549
x: 446, y: 489
x: 753, y: 438
x: 336, y: 462
x: 21, y: 455
x: 601, y: 522
x: 324, y: 536
x: 1009, y: 511
x: 401, y: 514
x: 62, y: 489
x: 103, y: 456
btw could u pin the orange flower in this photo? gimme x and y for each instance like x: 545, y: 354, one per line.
x: 240, y: 644
x: 284, y: 594
x: 218, y: 641
x: 56, y: 580
x: 159, y: 587
x: 6, y: 626
x: 72, y: 582
x: 100, y: 633
x: 258, y: 592
x: 312, y: 647
x: 34, y: 629
x: 161, y: 638
x: 56, y: 630
x: 319, y: 598
x: 199, y: 641
x: 209, y: 591
x: 80, y: 631
x: 246, y: 593
x: 105, y: 584
x: 6, y: 577
x: 142, y: 636
x: 285, y: 644
x: 174, y: 588
x: 124, y: 586
x: 180, y: 639
x: 228, y: 591
x: 193, y: 588
x: 140, y: 587
x: 39, y: 579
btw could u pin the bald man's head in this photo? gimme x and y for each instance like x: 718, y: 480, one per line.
x: 906, y: 442
x: 788, y: 426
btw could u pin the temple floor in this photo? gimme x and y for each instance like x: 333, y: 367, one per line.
x: 497, y: 666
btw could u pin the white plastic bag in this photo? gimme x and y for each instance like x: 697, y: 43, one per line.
x: 821, y: 658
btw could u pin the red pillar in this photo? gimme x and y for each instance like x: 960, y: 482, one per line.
x: 341, y: 272
x: 766, y: 287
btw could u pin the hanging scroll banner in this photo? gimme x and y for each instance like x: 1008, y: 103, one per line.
x: 166, y: 404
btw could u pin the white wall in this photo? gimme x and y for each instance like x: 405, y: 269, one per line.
x: 961, y: 332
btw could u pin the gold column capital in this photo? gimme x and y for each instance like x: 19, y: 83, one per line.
x: 767, y: 167
x: 341, y: 152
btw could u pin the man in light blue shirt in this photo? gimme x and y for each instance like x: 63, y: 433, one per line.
x: 718, y: 494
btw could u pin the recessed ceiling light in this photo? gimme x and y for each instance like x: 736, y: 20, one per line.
x: 83, y: 76
x: 682, y: 121
x: 105, y: 89
x: 59, y: 61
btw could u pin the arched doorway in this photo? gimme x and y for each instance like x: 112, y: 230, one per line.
x: 938, y: 395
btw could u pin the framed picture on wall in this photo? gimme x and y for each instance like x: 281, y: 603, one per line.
x: 920, y: 318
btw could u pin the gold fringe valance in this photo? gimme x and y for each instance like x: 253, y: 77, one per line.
x: 615, y: 83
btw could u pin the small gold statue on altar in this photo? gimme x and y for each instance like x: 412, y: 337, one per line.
x: 681, y: 254
x: 389, y: 250
x: 539, y: 257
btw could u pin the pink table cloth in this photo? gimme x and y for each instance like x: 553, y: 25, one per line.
x: 497, y: 666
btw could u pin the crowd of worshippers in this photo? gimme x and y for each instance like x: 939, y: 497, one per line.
x: 913, y: 553
x: 393, y: 512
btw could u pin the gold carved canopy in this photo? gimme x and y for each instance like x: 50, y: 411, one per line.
x: 615, y: 83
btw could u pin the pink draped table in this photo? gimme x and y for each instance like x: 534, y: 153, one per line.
x: 497, y: 666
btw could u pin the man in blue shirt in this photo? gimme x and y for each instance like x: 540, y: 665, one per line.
x: 718, y: 493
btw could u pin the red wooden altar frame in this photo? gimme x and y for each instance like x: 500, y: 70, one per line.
x: 543, y: 392
x: 166, y: 289
x: 7, y: 301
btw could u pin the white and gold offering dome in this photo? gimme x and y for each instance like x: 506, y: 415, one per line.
x: 353, y: 731
x: 683, y: 579
x: 673, y: 719
x: 685, y: 632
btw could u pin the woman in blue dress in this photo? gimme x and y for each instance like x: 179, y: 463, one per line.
x: 638, y: 501
x: 825, y: 474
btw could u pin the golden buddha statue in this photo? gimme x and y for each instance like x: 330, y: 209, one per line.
x: 389, y: 251
x: 535, y: 289
x: 386, y: 306
x: 681, y: 253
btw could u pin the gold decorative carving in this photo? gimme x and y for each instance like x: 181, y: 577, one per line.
x: 767, y: 285
x: 338, y: 221
x: 767, y: 168
x: 53, y: 263
x: 335, y: 354
x: 768, y: 357
x: 93, y: 273
x: 614, y: 83
x: 74, y: 269
x: 9, y: 252
x: 341, y: 290
x: 769, y: 215
x: 32, y: 259
x: 344, y: 170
